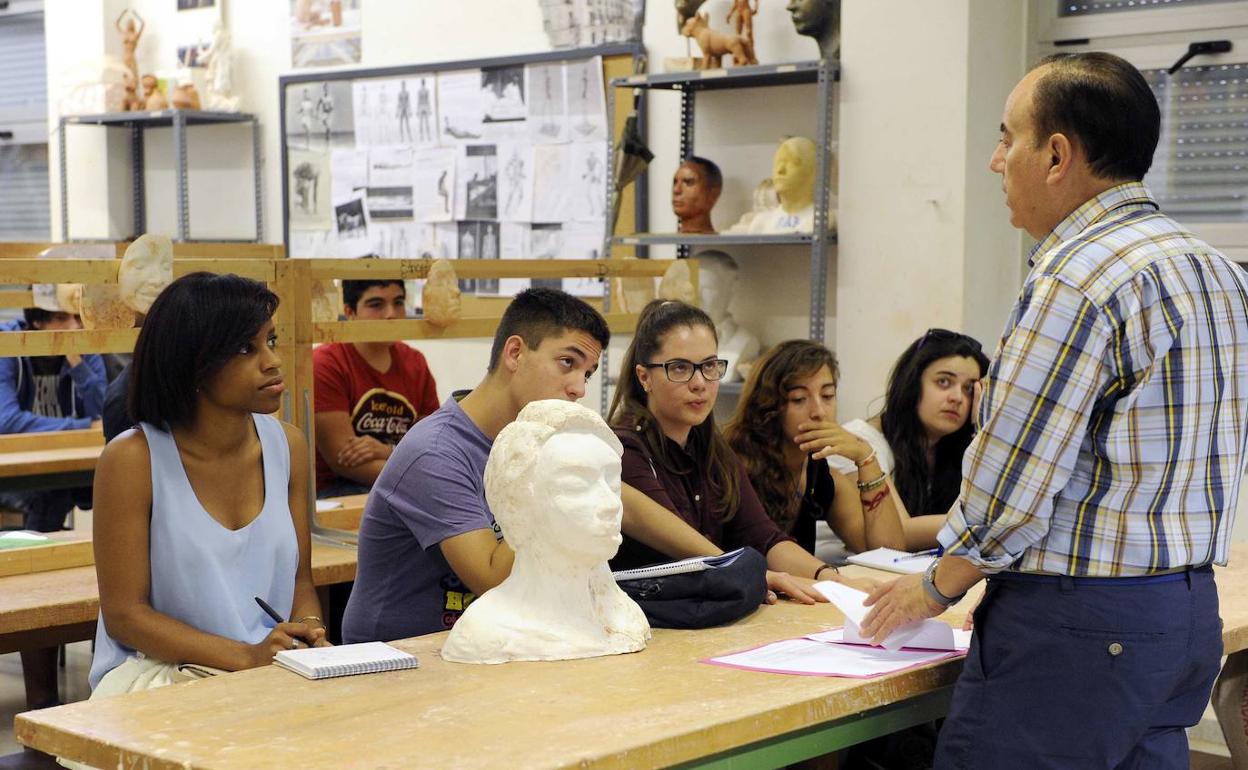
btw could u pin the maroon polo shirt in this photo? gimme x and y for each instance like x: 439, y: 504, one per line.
x: 686, y: 490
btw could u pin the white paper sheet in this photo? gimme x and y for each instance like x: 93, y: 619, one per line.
x: 351, y: 226
x: 957, y: 639
x: 892, y: 560
x: 309, y: 190
x: 392, y: 111
x: 552, y: 183
x: 513, y: 244
x: 476, y: 182
x: 804, y: 656
x: 587, y: 108
x: 311, y: 244
x: 459, y: 107
x: 515, y: 182
x: 589, y: 176
x: 548, y: 111
x: 582, y: 241
x: 433, y: 183
x: 349, y: 171
x: 849, y: 602
x: 504, y: 106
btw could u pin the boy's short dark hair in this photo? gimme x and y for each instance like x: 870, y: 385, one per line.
x: 196, y: 325
x: 353, y: 290
x: 36, y: 315
x: 536, y: 314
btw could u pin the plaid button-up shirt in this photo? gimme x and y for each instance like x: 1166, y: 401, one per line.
x: 1115, y: 412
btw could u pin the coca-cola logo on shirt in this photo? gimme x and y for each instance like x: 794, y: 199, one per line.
x: 384, y: 415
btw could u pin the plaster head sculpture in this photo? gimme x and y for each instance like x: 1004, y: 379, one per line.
x: 820, y: 19
x: 440, y: 295
x: 793, y: 176
x: 677, y: 283
x: 717, y: 281
x: 553, y: 483
x: 146, y: 269
x: 104, y: 308
x: 696, y: 186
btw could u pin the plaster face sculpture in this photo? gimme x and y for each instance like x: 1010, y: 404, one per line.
x: 677, y: 283
x: 717, y: 281
x: 440, y: 296
x: 553, y: 483
x: 820, y: 19
x: 714, y: 45
x: 103, y: 307
x: 153, y: 99
x: 793, y: 175
x: 696, y: 186
x: 145, y: 271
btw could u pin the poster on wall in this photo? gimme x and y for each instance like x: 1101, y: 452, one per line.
x: 504, y: 111
x: 587, y: 106
x: 548, y: 112
x: 580, y: 23
x: 433, y: 182
x: 515, y: 182
x: 325, y: 33
x: 395, y: 111
x: 309, y: 187
x: 351, y: 228
x: 459, y: 107
x: 476, y: 196
x: 319, y: 115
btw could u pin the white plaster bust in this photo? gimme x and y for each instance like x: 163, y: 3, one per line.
x: 553, y: 483
x: 145, y: 271
x: 717, y: 280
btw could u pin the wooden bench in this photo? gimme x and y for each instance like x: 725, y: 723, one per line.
x: 52, y: 460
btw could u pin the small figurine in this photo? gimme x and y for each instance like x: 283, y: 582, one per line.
x: 153, y: 99
x: 742, y: 16
x: 695, y: 189
x: 131, y: 102
x: 130, y: 35
x: 715, y: 44
x: 219, y: 55
x: 820, y: 19
x: 185, y: 97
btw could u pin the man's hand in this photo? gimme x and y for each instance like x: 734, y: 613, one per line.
x: 362, y: 449
x: 795, y: 588
x: 895, y: 604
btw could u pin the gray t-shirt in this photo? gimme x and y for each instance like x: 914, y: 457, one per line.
x: 432, y: 488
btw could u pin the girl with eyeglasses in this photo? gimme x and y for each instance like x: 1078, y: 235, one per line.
x: 785, y: 428
x: 675, y: 455
x: 926, y: 424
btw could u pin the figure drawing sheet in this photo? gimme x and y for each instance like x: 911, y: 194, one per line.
x: 309, y: 190
x: 552, y: 183
x: 388, y: 203
x: 513, y: 244
x: 515, y: 182
x: 348, y: 172
x: 504, y: 109
x: 396, y: 240
x: 396, y: 111
x: 546, y: 242
x: 587, y: 106
x: 351, y: 226
x: 548, y: 111
x: 320, y: 115
x: 582, y: 241
x: 446, y: 240
x: 479, y: 240
x: 390, y: 166
x: 322, y: 36
x: 476, y: 194
x: 433, y: 182
x: 588, y: 176
x: 459, y: 107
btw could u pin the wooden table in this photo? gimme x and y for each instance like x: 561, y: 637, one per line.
x: 54, y: 460
x: 48, y: 608
x: 656, y: 708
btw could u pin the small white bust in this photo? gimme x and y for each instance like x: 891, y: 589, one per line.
x: 553, y: 483
x: 717, y: 280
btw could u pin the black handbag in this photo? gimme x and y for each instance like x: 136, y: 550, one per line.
x: 701, y: 592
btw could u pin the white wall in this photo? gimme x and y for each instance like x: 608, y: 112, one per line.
x: 922, y: 88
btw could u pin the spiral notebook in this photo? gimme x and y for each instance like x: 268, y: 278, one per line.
x: 694, y: 564
x: 345, y: 660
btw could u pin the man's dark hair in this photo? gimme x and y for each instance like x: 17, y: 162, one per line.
x: 1102, y: 102
x: 536, y: 314
x: 36, y: 315
x: 710, y: 172
x: 196, y: 325
x: 353, y: 290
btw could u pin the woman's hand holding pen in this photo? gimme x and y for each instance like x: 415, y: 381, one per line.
x: 821, y: 440
x: 285, y: 636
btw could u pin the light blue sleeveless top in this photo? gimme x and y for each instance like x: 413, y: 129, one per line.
x: 203, y: 574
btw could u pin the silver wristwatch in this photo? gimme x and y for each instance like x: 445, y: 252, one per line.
x: 933, y: 593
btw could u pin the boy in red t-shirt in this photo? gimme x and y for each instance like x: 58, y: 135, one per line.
x: 367, y: 394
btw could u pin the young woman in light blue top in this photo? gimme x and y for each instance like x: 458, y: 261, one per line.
x: 202, y: 507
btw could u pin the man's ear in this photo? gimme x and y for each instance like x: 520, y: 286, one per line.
x: 1061, y: 158
x: 348, y: 312
x: 513, y: 350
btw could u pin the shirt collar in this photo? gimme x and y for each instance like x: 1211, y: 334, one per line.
x: 1128, y: 196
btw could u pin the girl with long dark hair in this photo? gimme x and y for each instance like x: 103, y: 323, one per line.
x: 785, y: 428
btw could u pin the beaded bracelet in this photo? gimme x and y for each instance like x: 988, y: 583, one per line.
x: 863, y: 463
x: 873, y: 484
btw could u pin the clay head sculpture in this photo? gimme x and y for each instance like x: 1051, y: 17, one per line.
x: 440, y: 297
x: 696, y: 186
x: 146, y: 269
x: 820, y: 19
x: 553, y: 484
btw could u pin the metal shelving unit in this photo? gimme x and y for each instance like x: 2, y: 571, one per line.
x: 138, y: 123
x: 823, y: 75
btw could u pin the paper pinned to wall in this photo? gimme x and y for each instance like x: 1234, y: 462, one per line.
x: 433, y: 182
x: 459, y: 107
x: 515, y: 182
x: 351, y: 227
x: 552, y: 183
x: 588, y: 174
x: 587, y: 107
x: 309, y: 185
x: 348, y: 173
x: 548, y: 110
x: 476, y: 176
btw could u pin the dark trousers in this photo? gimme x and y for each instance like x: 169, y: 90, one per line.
x: 1069, y: 675
x: 45, y: 510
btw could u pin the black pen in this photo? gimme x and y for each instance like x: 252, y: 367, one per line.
x: 269, y: 610
x: 915, y: 555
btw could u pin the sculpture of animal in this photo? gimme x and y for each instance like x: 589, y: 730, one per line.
x: 715, y: 44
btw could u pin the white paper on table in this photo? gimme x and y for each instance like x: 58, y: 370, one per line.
x: 327, y: 505
x: 804, y: 656
x: 957, y: 639
x: 892, y: 560
x: 849, y: 602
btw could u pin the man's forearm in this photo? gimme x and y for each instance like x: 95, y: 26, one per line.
x: 955, y: 576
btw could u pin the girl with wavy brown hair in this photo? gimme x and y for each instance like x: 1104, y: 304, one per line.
x: 785, y: 428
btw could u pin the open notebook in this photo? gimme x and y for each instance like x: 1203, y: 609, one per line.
x: 892, y: 560
x: 345, y: 660
x: 693, y: 564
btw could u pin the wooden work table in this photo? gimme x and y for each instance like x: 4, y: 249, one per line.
x: 53, y: 460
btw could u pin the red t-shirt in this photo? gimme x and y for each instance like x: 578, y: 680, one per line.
x: 381, y: 405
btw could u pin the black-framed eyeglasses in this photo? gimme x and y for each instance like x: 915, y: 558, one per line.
x: 681, y: 370
x: 947, y: 334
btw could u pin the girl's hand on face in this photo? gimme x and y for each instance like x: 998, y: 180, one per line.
x: 821, y: 440
x: 977, y: 397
